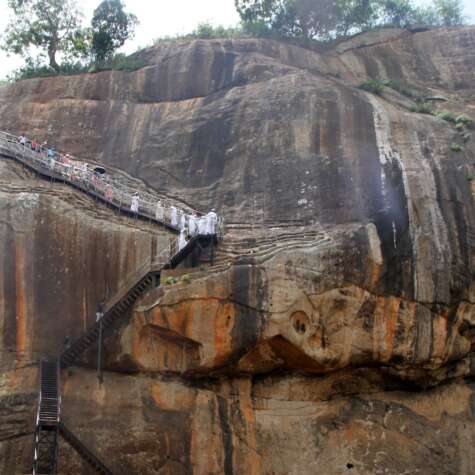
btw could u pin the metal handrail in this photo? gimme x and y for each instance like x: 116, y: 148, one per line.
x: 147, y: 267
x: 76, y: 172
x: 41, y: 398
x: 83, y: 451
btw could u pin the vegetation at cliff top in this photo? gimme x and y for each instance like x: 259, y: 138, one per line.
x: 48, y: 26
x: 53, y: 30
x: 111, y: 28
x: 207, y: 31
x: 44, y: 30
x: 329, y: 19
x: 119, y: 62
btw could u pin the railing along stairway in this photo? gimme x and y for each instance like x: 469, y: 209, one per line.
x: 82, y: 176
x: 79, y: 175
x: 83, y: 451
x: 129, y: 293
x: 115, y: 308
x: 45, y: 456
x: 49, y: 426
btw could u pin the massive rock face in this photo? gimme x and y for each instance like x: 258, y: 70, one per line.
x: 340, y: 299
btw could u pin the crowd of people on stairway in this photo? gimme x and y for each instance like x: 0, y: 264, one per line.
x: 188, y: 225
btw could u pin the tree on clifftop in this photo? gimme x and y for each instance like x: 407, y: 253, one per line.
x: 50, y: 26
x: 450, y: 12
x: 328, y: 19
x: 308, y: 19
x: 111, y: 28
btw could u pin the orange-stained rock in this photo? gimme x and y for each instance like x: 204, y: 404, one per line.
x: 332, y: 330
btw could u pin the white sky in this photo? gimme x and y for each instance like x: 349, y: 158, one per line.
x: 162, y: 18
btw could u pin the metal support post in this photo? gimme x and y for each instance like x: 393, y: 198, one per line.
x: 99, y: 354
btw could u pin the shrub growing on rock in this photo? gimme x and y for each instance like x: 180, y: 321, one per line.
x: 463, y: 120
x: 375, y: 86
x: 447, y: 116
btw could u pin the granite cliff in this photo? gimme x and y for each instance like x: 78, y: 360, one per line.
x: 332, y: 333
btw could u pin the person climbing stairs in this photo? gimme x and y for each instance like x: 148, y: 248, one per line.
x: 115, y: 195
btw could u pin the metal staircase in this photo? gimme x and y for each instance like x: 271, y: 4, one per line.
x: 48, y: 426
x: 130, y: 292
x: 83, y: 451
x: 115, y: 308
x: 115, y: 194
x: 47, y: 421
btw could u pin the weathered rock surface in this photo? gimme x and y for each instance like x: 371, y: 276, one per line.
x: 333, y: 332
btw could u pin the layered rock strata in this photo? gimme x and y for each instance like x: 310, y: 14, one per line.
x: 333, y: 331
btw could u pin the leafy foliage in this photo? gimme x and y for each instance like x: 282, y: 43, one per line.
x: 111, y: 28
x: 170, y: 280
x: 447, y: 116
x: 463, y: 120
x: 403, y: 88
x: 398, y: 13
x: 327, y: 19
x: 35, y: 69
x: 375, y: 86
x: 119, y: 62
x: 422, y: 107
x: 186, y: 279
x: 306, y: 19
x: 52, y: 26
x: 207, y: 31
x: 449, y: 12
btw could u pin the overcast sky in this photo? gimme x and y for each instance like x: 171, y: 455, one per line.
x: 162, y: 18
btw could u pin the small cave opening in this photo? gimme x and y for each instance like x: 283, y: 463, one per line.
x: 299, y: 326
x: 99, y: 170
x: 300, y: 322
x: 349, y: 466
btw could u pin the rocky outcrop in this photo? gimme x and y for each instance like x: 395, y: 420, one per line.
x: 333, y: 331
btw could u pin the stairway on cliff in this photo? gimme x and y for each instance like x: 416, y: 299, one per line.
x: 135, y: 287
x: 116, y: 308
x: 68, y: 170
x: 48, y: 425
x: 45, y: 457
x: 85, y: 453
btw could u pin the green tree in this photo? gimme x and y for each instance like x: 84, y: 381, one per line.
x: 356, y: 15
x: 426, y: 15
x: 450, y: 12
x: 326, y: 19
x: 260, y: 12
x: 440, y: 13
x: 50, y: 26
x: 111, y: 28
x: 309, y: 19
x: 399, y: 13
